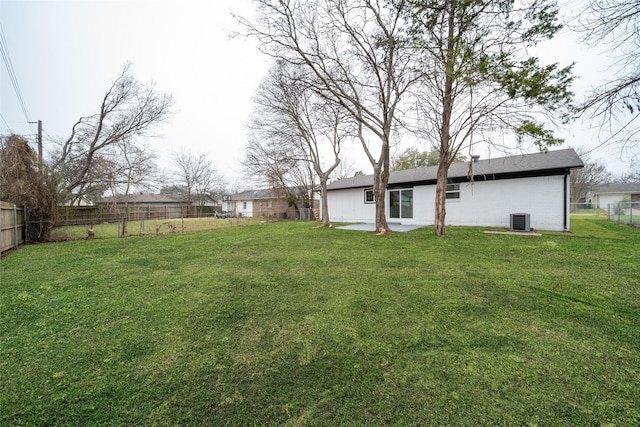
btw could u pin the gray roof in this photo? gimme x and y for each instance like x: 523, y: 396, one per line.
x: 617, y: 188
x: 267, y: 193
x: 542, y: 163
x: 260, y: 194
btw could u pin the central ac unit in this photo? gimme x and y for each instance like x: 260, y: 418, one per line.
x: 520, y: 222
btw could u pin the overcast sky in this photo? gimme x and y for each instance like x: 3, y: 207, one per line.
x: 65, y: 55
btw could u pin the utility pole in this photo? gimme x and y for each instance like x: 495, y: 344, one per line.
x: 40, y: 165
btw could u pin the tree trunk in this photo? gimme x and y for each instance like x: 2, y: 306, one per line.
x: 439, y: 224
x: 446, y: 156
x: 380, y: 180
x: 325, y: 204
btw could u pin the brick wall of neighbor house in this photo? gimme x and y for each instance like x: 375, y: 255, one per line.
x: 483, y: 203
x: 263, y: 208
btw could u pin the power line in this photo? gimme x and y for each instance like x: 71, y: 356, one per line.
x: 4, y: 50
x: 5, y: 123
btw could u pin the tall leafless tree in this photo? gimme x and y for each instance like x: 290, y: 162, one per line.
x: 615, y: 104
x: 308, y: 127
x: 357, y: 52
x: 127, y: 166
x: 480, y: 80
x: 129, y: 109
x: 196, y: 175
x: 274, y: 155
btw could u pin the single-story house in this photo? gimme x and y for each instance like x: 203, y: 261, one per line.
x: 604, y: 195
x: 479, y: 193
x: 269, y: 202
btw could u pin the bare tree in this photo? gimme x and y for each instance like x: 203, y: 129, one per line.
x: 128, y: 110
x: 270, y: 161
x: 357, y: 53
x: 198, y: 178
x: 481, y: 82
x: 127, y: 166
x: 616, y: 103
x: 290, y: 112
x: 273, y: 154
x: 633, y: 176
x: 583, y: 180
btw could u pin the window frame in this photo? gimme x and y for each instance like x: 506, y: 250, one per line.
x: 373, y: 196
x: 452, y: 191
x: 405, y: 211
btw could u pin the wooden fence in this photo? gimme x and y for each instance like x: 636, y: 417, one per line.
x: 12, y: 227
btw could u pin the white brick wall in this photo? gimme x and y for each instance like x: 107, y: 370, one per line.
x: 483, y: 203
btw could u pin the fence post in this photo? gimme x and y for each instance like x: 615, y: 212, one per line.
x: 619, y: 209
x: 1, y: 230
x: 25, y: 222
x: 15, y: 227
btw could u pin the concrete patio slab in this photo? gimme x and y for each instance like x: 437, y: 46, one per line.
x: 369, y: 226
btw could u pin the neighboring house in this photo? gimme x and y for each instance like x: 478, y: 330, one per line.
x: 479, y: 193
x: 81, y: 201
x: 139, y: 206
x: 270, y: 202
x: 602, y: 196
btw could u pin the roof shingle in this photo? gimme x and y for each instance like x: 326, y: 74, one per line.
x: 549, y: 161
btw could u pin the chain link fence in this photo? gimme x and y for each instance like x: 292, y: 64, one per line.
x: 625, y: 213
x: 91, y: 222
x: 113, y: 227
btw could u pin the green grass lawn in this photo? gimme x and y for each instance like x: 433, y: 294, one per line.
x: 284, y: 324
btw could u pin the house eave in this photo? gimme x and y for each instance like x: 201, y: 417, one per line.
x: 484, y: 177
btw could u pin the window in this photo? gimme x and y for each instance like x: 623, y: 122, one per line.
x: 401, y: 204
x: 369, y: 196
x: 244, y: 205
x: 269, y: 203
x: 452, y: 191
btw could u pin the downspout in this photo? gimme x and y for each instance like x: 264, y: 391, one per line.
x: 565, y: 204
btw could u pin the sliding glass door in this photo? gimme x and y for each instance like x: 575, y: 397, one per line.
x: 400, y: 204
